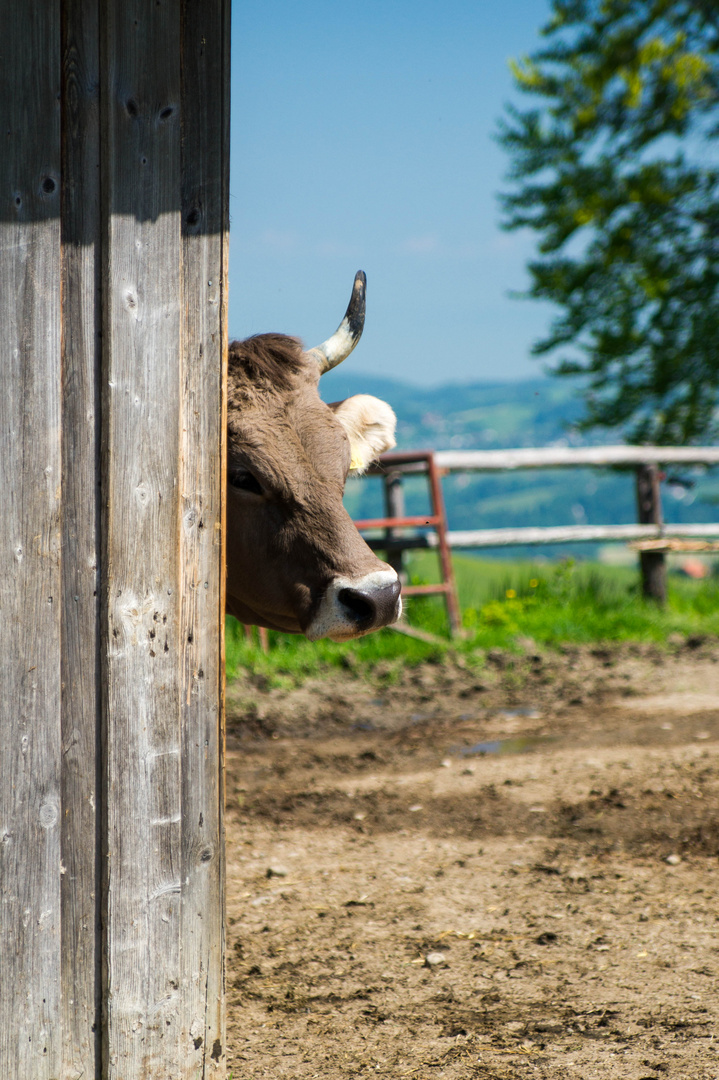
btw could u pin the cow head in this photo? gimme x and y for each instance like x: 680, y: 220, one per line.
x: 295, y: 561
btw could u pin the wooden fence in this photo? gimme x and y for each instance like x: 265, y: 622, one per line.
x: 646, y: 462
x: 113, y: 255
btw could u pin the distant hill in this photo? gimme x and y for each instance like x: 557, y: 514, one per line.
x: 476, y: 416
x: 485, y: 416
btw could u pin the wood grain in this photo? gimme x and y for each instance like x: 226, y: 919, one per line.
x: 30, y: 592
x: 81, y: 315
x: 162, y: 466
x: 141, y: 420
x: 113, y: 259
x: 205, y: 144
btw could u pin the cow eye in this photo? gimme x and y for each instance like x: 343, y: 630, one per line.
x: 245, y: 481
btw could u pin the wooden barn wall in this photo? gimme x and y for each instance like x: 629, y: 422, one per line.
x: 113, y: 271
x: 30, y: 526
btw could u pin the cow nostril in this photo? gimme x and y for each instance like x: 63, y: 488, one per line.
x: 371, y: 606
x: 361, y: 607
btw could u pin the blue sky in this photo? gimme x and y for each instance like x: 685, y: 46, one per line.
x: 361, y: 138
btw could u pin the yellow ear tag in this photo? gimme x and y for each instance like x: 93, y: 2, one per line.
x: 356, y: 463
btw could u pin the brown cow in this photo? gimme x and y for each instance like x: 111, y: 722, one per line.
x: 295, y: 561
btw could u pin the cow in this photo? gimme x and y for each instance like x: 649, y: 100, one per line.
x: 295, y: 561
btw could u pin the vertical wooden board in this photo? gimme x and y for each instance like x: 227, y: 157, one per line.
x: 30, y: 543
x: 140, y: 61
x: 205, y: 114
x: 80, y: 469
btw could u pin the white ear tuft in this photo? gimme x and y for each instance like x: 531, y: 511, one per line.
x: 370, y: 425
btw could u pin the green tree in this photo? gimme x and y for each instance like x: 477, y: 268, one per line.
x: 617, y: 169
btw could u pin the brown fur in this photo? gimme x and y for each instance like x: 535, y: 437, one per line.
x: 265, y: 361
x: 286, y: 543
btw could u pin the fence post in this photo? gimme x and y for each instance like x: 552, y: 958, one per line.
x: 445, y: 555
x: 649, y: 511
x: 394, y: 508
x: 113, y: 269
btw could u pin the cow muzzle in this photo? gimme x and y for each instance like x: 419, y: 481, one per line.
x: 352, y: 607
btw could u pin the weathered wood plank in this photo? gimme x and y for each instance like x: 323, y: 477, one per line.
x: 544, y: 457
x: 141, y: 335
x: 30, y: 1044
x: 205, y: 139
x: 565, y: 534
x: 81, y: 230
x: 649, y: 511
x: 111, y: 771
x: 165, y: 335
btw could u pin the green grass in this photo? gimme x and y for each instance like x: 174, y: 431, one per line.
x: 504, y: 605
x: 292, y: 658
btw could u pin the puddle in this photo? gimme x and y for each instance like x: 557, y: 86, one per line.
x: 522, y: 745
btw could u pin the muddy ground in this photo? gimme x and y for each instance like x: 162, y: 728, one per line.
x: 500, y: 872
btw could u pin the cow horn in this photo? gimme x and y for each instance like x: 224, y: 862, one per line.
x: 338, y: 347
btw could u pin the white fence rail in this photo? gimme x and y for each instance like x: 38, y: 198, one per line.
x: 489, y: 538
x: 558, y: 457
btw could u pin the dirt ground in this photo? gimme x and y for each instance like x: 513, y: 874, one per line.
x: 493, y: 873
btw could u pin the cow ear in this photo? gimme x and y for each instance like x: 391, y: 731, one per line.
x: 370, y: 425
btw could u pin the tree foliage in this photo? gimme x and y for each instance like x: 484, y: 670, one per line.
x: 617, y: 169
